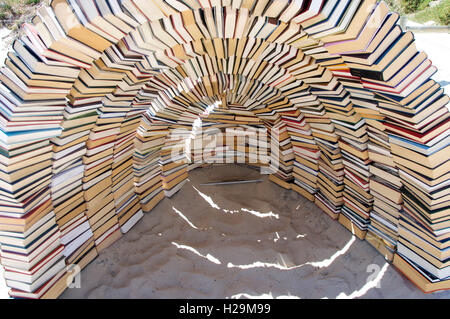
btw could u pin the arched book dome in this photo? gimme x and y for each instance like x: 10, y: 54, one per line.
x: 106, y: 106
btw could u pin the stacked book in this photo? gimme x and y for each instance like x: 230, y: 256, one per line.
x: 353, y: 146
x: 67, y: 180
x: 97, y: 181
x: 31, y: 105
x: 330, y: 177
x: 281, y: 155
x: 343, y: 165
x: 306, y: 154
x: 356, y: 124
x: 419, y: 151
x: 390, y: 86
x: 230, y: 139
x: 209, y: 142
x: 224, y: 148
x: 236, y: 134
x: 385, y: 187
x: 119, y: 112
x: 203, y: 146
x: 255, y: 145
x: 357, y: 198
x: 174, y: 163
x: 382, y: 231
x: 33, y: 254
x: 126, y: 201
x: 150, y: 137
x: 360, y: 54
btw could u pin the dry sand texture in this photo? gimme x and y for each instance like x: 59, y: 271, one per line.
x: 249, y: 240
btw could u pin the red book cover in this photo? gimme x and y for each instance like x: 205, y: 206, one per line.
x: 413, y: 134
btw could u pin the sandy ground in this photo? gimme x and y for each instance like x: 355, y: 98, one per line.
x: 254, y: 240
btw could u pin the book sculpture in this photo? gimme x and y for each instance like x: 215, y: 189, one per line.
x: 96, y: 97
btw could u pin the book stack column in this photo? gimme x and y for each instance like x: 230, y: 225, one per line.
x: 418, y: 136
x: 67, y: 182
x: 385, y: 187
x: 306, y: 154
x: 330, y: 177
x: 30, y: 238
x: 351, y: 129
x: 282, y: 155
x: 126, y: 201
x: 174, y: 159
x: 147, y: 168
x: 98, y: 177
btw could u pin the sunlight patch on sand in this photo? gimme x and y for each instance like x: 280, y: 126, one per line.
x: 185, y: 218
x: 317, y: 264
x: 374, y: 283
x: 259, y: 264
x: 263, y: 296
x: 207, y: 198
x: 259, y: 214
x: 329, y: 261
x: 195, y: 251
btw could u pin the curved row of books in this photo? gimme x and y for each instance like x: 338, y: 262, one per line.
x: 107, y: 105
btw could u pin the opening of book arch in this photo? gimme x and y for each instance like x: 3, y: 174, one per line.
x: 107, y: 105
